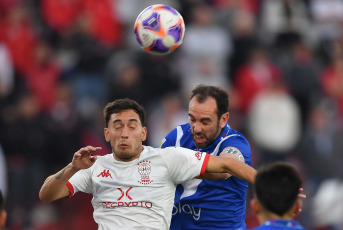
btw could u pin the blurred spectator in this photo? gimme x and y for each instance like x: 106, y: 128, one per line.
x: 332, y: 82
x: 160, y: 75
x: 301, y: 74
x: 244, y: 40
x: 252, y: 6
x: 60, y: 14
x: 42, y: 76
x: 19, y: 35
x: 166, y: 115
x: 91, y: 56
x: 204, y: 52
x: 6, y: 72
x: 328, y: 19
x: 322, y: 144
x: 274, y: 124
x: 3, y: 212
x: 105, y: 26
x: 327, y: 210
x: 284, y: 22
x: 125, y: 79
x: 254, y: 76
x: 3, y: 174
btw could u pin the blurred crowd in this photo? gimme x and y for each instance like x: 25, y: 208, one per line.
x: 61, y: 61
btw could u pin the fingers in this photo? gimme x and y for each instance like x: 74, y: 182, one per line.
x: 87, y: 150
x: 301, y: 195
x: 93, y: 158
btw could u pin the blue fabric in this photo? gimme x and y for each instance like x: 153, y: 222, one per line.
x: 279, y: 225
x: 217, y: 204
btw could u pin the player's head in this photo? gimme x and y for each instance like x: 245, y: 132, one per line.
x: 3, y: 213
x: 208, y: 113
x: 125, y: 128
x: 276, y: 191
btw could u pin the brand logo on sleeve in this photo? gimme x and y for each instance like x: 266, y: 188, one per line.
x: 144, y: 169
x: 105, y: 173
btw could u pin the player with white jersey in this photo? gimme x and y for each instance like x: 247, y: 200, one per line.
x: 138, y: 193
x: 134, y: 187
x: 210, y: 204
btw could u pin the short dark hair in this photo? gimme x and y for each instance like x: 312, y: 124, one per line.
x: 202, y: 92
x: 120, y: 105
x: 277, y: 187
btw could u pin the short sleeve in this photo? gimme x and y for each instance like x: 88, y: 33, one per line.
x: 184, y: 164
x: 81, y: 182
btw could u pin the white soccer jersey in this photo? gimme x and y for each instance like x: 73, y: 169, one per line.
x: 138, y: 194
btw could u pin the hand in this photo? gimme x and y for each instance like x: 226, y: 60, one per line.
x: 300, y: 196
x: 82, y: 159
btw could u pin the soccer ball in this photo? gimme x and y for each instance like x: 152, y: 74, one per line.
x: 159, y: 29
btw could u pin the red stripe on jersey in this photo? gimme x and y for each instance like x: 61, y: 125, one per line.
x: 204, y: 165
x: 71, y: 189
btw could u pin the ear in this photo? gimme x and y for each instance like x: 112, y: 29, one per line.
x: 255, y: 206
x: 297, y: 208
x: 144, y: 133
x: 107, y: 134
x: 3, y: 217
x: 224, y: 119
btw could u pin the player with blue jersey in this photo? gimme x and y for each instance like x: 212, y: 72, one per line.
x: 210, y: 204
x: 276, y: 193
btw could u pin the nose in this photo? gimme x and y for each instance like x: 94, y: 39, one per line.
x: 197, y: 127
x: 124, y: 132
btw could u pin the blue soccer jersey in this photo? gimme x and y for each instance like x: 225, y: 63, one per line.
x: 206, y: 204
x: 280, y: 225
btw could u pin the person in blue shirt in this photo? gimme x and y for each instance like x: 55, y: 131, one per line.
x: 276, y: 192
x: 210, y: 204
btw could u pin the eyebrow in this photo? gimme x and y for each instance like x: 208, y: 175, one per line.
x: 202, y: 119
x: 130, y: 120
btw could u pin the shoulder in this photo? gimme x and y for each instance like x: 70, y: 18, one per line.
x: 175, y: 135
x: 235, y: 139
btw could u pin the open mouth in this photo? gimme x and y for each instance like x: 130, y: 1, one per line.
x: 199, y: 138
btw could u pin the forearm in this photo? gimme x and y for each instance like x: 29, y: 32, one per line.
x: 54, y: 187
x: 240, y: 170
x: 231, y: 166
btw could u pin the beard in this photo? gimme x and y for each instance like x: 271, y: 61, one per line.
x: 201, y: 140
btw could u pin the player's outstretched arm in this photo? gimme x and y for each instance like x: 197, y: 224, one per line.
x: 54, y: 187
x: 217, y: 164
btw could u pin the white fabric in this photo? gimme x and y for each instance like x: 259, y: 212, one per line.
x: 274, y: 121
x: 6, y: 71
x: 138, y: 194
x: 3, y: 173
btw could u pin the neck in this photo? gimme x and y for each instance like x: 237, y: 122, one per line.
x: 263, y: 217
